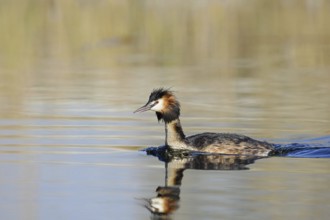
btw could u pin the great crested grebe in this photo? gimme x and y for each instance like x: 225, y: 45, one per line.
x: 167, y: 108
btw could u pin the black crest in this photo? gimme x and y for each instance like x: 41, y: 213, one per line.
x: 158, y: 93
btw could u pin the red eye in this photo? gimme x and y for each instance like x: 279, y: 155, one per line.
x: 154, y: 103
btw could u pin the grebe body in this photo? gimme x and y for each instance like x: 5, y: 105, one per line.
x: 167, y: 109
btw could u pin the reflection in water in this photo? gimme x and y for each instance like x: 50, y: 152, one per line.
x: 167, y: 199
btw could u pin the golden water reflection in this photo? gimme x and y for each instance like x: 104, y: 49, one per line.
x: 268, y: 62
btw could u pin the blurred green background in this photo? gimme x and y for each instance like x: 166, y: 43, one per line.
x: 111, y: 33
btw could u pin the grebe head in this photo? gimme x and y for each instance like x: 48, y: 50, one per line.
x: 164, y: 103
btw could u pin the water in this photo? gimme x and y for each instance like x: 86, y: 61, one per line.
x: 70, y: 145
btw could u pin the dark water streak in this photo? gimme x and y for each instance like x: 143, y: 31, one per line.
x: 305, y: 149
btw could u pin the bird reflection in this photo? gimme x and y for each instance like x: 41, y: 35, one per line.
x: 167, y: 198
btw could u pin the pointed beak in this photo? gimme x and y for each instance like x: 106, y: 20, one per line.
x: 144, y: 108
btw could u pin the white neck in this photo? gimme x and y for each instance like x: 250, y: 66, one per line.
x: 174, y: 135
